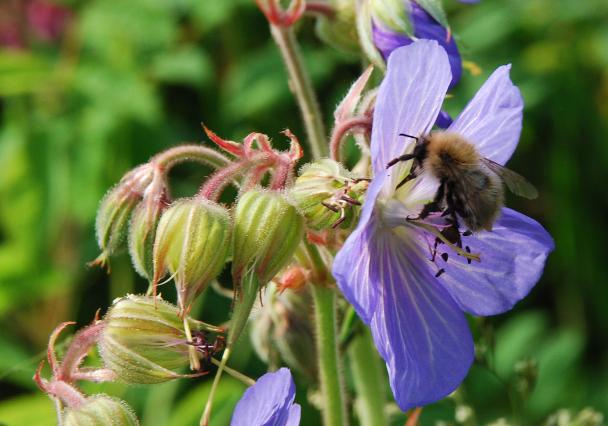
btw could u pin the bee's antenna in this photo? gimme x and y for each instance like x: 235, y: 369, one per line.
x: 409, y: 136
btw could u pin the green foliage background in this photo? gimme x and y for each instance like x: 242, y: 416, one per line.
x: 130, y: 78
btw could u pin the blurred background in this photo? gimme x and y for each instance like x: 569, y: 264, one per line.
x: 91, y: 88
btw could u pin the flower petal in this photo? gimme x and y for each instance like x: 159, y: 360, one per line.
x: 352, y: 263
x: 419, y: 330
x: 513, y: 257
x: 492, y: 119
x: 295, y: 412
x: 268, y: 402
x: 409, y: 99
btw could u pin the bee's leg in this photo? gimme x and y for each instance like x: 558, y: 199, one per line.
x: 433, y: 206
x: 350, y: 200
x: 330, y: 207
x: 404, y: 157
x: 340, y: 219
x: 411, y: 175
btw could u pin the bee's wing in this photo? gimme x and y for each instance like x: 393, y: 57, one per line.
x: 516, y: 183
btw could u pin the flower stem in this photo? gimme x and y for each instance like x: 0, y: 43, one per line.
x: 242, y: 309
x: 246, y: 380
x: 216, y: 381
x: 368, y: 380
x: 182, y: 153
x: 301, y: 87
x: 334, y: 409
x: 215, y: 184
x: 363, y: 123
x: 195, y: 365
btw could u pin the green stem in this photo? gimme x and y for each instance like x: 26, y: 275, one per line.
x: 246, y: 380
x: 216, y: 381
x: 195, y: 364
x: 302, y: 89
x: 368, y: 380
x: 330, y: 369
x: 249, y: 288
x: 248, y: 292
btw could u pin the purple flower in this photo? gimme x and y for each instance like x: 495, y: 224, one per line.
x: 384, y: 268
x: 269, y: 402
x: 425, y: 26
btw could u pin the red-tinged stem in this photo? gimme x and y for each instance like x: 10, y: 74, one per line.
x: 253, y: 178
x: 361, y: 123
x: 96, y: 375
x: 412, y: 420
x: 68, y: 394
x: 63, y: 391
x: 281, y: 175
x: 83, y: 341
x: 50, y: 353
x: 179, y: 154
x: 214, y: 186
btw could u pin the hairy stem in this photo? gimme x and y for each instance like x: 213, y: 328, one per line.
x: 301, y: 87
x: 368, y: 380
x: 198, y: 153
x: 330, y: 369
x: 215, y: 184
x: 342, y: 129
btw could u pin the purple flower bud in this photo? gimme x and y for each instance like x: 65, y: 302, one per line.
x: 422, y: 25
x: 270, y: 401
x: 443, y: 120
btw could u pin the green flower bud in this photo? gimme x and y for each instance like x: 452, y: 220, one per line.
x: 340, y: 31
x: 324, y: 191
x: 100, y: 410
x: 282, y: 327
x: 144, y: 341
x: 192, y: 242
x: 267, y: 230
x: 142, y: 233
x: 112, y: 220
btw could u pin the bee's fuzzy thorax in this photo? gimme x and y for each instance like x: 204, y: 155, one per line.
x: 446, y: 149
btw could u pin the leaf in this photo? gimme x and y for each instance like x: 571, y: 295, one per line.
x: 22, y: 72
x: 16, y: 364
x: 187, y: 65
x: 557, y: 356
x: 516, y: 338
x: 30, y: 410
x: 190, y: 408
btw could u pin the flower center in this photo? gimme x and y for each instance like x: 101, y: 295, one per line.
x: 405, y: 208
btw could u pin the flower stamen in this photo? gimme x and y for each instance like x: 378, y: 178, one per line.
x: 434, y: 231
